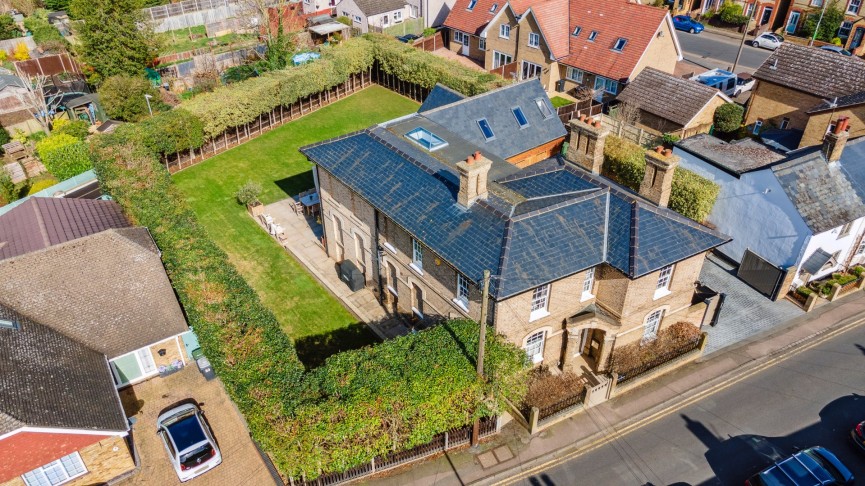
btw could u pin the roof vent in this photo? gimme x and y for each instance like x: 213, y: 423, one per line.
x: 774, y: 64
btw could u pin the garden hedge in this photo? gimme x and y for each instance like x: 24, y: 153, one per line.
x: 692, y: 195
x: 63, y: 155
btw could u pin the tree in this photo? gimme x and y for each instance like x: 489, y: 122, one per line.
x: 34, y: 99
x: 123, y: 97
x: 75, y: 128
x: 728, y: 117
x: 55, y: 5
x: 8, y: 29
x: 110, y: 38
x: 269, y: 17
x: 8, y: 191
x: 43, y: 32
x: 829, y: 25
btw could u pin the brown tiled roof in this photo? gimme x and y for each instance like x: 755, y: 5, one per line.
x: 108, y: 291
x: 41, y: 222
x: 814, y: 71
x: 552, y: 17
x: 611, y: 19
x: 472, y: 21
x: 669, y: 97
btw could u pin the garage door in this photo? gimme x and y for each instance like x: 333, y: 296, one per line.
x: 760, y: 274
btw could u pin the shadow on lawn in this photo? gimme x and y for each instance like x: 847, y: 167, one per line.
x: 314, y: 350
x: 295, y: 184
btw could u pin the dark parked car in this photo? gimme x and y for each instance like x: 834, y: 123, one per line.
x: 683, y: 22
x: 815, y: 466
x: 838, y: 49
x: 858, y: 435
x: 408, y: 38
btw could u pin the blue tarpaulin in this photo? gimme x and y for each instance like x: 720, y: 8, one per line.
x: 304, y: 58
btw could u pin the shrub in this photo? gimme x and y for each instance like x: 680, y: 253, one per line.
x: 43, y: 32
x: 833, y: 16
x: 429, y: 32
x: 692, y: 195
x: 75, y: 128
x: 546, y: 389
x: 236, y: 74
x: 123, y: 97
x: 8, y: 192
x: 804, y: 291
x: 63, y: 155
x: 631, y: 358
x: 858, y: 270
x: 22, y: 53
x: 163, y: 134
x: 624, y: 161
x: 40, y: 185
x: 669, y: 139
x: 731, y: 13
x: 248, y: 193
x: 8, y: 29
x: 344, y: 20
x: 728, y: 117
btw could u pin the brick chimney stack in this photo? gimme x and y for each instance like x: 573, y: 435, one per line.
x: 586, y: 145
x: 834, y: 141
x: 473, y: 179
x: 658, y: 180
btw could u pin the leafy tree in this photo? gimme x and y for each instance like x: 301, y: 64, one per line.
x: 8, y: 29
x: 731, y: 13
x: 165, y: 133
x: 833, y: 16
x: 55, y: 5
x: 43, y: 32
x: 8, y: 192
x: 110, y: 38
x: 728, y: 117
x: 123, y: 98
x: 64, y: 155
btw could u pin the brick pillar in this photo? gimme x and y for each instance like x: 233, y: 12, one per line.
x: 658, y: 180
x: 786, y: 283
x: 586, y: 145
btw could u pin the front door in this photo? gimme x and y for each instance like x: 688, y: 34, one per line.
x: 531, y: 70
x: 767, y: 14
x: 792, y: 22
x: 595, y: 345
x: 858, y: 34
x: 466, y: 38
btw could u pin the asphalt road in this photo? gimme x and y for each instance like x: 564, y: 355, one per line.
x: 811, y: 398
x: 717, y: 51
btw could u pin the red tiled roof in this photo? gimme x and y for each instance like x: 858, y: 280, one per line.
x: 611, y: 19
x: 552, y: 17
x: 474, y: 20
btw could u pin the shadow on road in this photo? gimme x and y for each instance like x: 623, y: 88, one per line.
x: 734, y: 459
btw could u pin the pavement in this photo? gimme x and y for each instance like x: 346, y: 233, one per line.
x: 746, y: 312
x: 714, y: 49
x: 241, y: 461
x: 635, y: 409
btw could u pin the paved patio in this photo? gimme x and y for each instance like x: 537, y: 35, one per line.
x: 241, y: 462
x: 746, y: 312
x: 303, y: 242
x: 453, y: 56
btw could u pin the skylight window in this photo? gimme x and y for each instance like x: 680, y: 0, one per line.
x: 426, y: 139
x: 494, y: 7
x: 577, y: 31
x: 593, y: 35
x: 8, y: 324
x: 546, y: 112
x: 486, y: 129
x: 620, y: 44
x: 520, y: 116
x: 472, y: 4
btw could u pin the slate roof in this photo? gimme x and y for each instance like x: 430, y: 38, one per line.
x: 41, y: 222
x: 841, y: 102
x: 669, y: 97
x: 538, y: 224
x: 814, y: 71
x: 51, y: 380
x: 816, y: 261
x: 439, y: 96
x: 375, y: 7
x: 7, y: 80
x: 736, y: 157
x: 826, y: 195
x: 107, y: 291
x: 496, y: 106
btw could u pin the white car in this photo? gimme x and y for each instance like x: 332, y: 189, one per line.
x: 767, y: 40
x: 189, y: 442
x: 743, y: 83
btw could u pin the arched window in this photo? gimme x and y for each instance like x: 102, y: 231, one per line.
x: 535, y: 346
x: 653, y: 322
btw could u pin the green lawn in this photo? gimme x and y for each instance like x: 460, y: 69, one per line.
x: 177, y: 41
x: 308, y: 313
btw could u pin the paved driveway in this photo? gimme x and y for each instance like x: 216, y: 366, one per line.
x: 241, y: 463
x: 746, y: 312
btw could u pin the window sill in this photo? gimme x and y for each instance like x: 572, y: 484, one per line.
x: 538, y: 314
x: 416, y: 312
x: 392, y: 291
x: 586, y: 296
x: 461, y: 305
x: 390, y: 248
x: 416, y: 269
x: 660, y: 293
x: 537, y: 358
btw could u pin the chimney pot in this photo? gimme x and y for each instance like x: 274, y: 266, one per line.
x: 597, y: 124
x: 582, y: 117
x: 470, y: 160
x: 667, y: 152
x: 589, y: 120
x: 477, y: 155
x: 659, y: 148
x: 834, y: 141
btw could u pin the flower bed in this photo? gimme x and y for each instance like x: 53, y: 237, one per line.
x: 634, y: 359
x: 824, y: 287
x: 552, y: 393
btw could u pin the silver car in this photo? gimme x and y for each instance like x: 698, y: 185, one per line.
x: 768, y: 41
x: 189, y: 442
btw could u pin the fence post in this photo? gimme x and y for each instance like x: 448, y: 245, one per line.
x: 533, y: 420
x: 446, y: 440
x: 372, y: 461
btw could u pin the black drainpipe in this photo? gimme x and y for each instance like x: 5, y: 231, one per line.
x: 378, y: 253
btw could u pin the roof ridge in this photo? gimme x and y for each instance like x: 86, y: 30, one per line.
x: 568, y: 202
x: 479, y: 95
x: 634, y: 239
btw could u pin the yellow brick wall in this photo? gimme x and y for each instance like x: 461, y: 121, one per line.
x: 496, y: 43
x: 475, y: 51
x: 772, y: 103
x: 660, y: 54
x: 538, y: 55
x: 818, y: 123
x: 103, y: 463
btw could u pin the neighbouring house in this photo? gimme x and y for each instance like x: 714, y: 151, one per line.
x: 793, y: 218
x: 573, y: 46
x: 423, y: 204
x: 376, y: 14
x: 801, y: 89
x: 852, y: 29
x: 78, y: 267
x: 766, y: 15
x: 670, y: 104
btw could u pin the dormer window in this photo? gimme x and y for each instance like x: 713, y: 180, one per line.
x: 593, y: 35
x: 486, y: 129
x: 8, y: 324
x: 494, y: 8
x: 620, y: 44
x: 576, y: 31
x: 534, y: 39
x: 472, y: 4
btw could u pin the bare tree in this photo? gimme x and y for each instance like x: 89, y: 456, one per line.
x: 279, y: 43
x: 627, y: 113
x: 41, y: 105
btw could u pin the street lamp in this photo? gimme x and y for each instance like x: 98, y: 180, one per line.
x: 147, y: 99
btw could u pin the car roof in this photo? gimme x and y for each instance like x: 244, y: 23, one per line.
x: 800, y: 469
x: 187, y: 433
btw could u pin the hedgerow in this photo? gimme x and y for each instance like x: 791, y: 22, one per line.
x: 691, y: 195
x: 63, y: 155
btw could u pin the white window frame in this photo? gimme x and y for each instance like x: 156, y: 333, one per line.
x: 577, y: 31
x: 500, y: 57
x: 39, y: 476
x: 417, y: 297
x: 665, y: 278
x: 851, y: 10
x: 785, y: 122
x: 860, y: 249
x: 652, y: 324
x: 575, y: 75
x: 749, y: 8
x: 817, y: 3
x: 534, y: 346
x: 141, y: 367
x: 609, y: 85
x: 358, y: 19
x: 622, y: 41
x: 482, y: 43
x: 588, y: 285
x: 458, y: 37
x: 757, y: 126
x: 845, y: 26
x: 462, y: 292
x: 540, y: 303
x: 416, y: 256
x: 593, y: 35
x: 534, y: 40
x: 505, y: 31
x: 472, y: 4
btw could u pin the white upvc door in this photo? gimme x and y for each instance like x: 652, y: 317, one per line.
x: 466, y: 38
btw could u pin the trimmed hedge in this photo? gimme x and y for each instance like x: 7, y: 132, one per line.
x: 692, y: 196
x: 163, y: 134
x: 63, y: 155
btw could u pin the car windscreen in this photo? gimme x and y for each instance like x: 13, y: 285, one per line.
x: 829, y: 470
x: 186, y: 432
x: 196, y: 457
